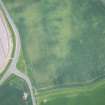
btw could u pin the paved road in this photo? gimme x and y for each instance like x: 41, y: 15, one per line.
x: 12, y: 68
x: 6, y: 44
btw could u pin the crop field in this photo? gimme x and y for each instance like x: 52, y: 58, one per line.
x: 87, y: 95
x: 11, y: 92
x: 63, y: 41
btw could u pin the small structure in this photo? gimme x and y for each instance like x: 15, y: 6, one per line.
x: 25, y: 96
x: 45, y: 100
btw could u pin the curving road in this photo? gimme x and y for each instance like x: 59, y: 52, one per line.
x: 12, y: 68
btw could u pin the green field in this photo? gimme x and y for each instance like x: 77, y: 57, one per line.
x: 87, y: 95
x: 63, y: 42
x: 63, y: 47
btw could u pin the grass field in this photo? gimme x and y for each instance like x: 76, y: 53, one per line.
x: 63, y: 42
x: 88, y: 95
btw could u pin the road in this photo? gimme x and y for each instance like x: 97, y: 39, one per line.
x: 12, y: 68
x: 6, y: 43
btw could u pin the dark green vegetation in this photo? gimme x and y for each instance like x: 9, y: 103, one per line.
x: 11, y: 92
x: 10, y: 96
x: 21, y: 65
x: 89, y: 95
x: 63, y: 41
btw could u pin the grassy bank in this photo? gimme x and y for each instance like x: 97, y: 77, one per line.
x: 87, y: 95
